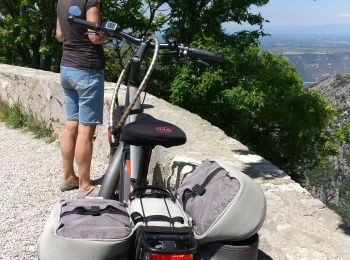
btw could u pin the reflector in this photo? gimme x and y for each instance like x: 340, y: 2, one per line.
x: 169, y: 257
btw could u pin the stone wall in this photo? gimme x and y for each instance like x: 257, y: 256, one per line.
x: 297, y: 226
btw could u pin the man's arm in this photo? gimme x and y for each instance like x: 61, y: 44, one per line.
x: 94, y: 15
x: 59, y: 34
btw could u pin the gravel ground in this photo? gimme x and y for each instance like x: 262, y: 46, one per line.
x: 30, y: 174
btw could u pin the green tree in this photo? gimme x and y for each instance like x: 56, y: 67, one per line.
x: 255, y: 97
x: 142, y: 17
x: 27, y: 28
x: 190, y: 20
x: 27, y: 33
x: 342, y: 207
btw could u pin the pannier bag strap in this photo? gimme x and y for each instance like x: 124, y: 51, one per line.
x: 137, y: 217
x: 95, y: 211
x: 198, y: 190
x: 139, y: 192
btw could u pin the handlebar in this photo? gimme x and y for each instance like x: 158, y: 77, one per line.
x: 88, y: 25
x: 113, y: 29
x: 205, y: 55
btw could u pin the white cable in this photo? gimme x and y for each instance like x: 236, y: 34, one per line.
x: 142, y: 85
x: 115, y: 92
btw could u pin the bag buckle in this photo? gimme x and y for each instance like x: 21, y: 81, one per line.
x: 95, y: 211
x: 198, y: 189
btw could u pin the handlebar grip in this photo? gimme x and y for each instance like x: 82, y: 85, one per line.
x: 205, y: 55
x: 84, y: 23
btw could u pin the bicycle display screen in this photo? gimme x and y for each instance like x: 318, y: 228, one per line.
x: 111, y: 26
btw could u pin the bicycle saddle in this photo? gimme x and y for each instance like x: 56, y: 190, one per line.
x: 148, y: 131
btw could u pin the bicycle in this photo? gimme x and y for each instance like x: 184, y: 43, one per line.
x: 161, y: 229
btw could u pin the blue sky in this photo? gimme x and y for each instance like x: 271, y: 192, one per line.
x: 321, y: 17
x: 306, y: 12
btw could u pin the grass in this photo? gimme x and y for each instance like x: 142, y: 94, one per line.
x: 15, y: 117
x: 3, y: 111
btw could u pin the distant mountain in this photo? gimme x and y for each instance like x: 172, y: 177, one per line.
x: 315, y: 67
x: 327, y: 29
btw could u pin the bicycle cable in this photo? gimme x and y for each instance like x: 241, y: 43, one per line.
x: 142, y: 85
x: 115, y: 101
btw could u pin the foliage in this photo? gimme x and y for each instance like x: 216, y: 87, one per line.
x: 15, y: 117
x: 143, y: 17
x: 190, y: 19
x: 257, y: 98
x: 343, y: 133
x: 321, y: 175
x: 346, y: 156
x: 3, y: 111
x: 33, y: 44
x: 29, y: 43
x: 342, y: 80
x: 344, y: 203
x: 342, y: 207
x: 186, y: 21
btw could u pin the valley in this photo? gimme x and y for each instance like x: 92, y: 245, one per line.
x: 316, y: 57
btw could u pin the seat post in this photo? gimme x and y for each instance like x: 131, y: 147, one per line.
x: 144, y: 165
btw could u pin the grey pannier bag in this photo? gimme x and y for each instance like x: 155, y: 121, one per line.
x: 225, y: 204
x: 86, y: 229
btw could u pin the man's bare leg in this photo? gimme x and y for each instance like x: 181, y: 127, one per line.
x: 83, y: 154
x: 68, y: 141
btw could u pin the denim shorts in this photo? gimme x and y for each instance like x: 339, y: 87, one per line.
x: 83, y: 95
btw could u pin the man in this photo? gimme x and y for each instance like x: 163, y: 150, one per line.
x: 82, y: 78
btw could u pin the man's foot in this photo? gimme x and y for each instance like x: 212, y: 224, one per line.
x: 69, y: 185
x: 97, y: 181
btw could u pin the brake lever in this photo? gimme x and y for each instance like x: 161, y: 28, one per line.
x: 177, y: 55
x: 202, y: 62
x: 91, y: 33
x: 172, y: 52
x: 182, y: 59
